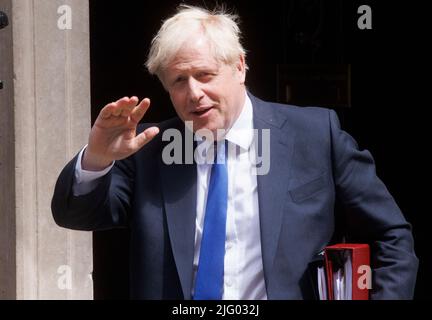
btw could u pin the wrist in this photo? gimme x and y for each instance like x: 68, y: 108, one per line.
x: 93, y: 162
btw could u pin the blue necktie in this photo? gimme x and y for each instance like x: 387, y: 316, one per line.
x: 209, y: 278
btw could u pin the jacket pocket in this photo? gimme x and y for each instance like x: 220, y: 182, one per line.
x: 309, y: 189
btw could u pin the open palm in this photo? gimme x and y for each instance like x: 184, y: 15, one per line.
x: 113, y: 135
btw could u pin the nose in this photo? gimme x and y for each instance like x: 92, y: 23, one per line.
x: 195, y: 90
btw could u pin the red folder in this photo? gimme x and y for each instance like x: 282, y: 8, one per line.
x: 360, y: 261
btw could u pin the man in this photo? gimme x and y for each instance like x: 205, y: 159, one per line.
x: 274, y: 222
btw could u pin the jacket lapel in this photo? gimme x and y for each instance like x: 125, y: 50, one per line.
x: 179, y: 193
x: 272, y: 187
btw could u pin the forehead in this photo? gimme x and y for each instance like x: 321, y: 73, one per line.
x: 194, y: 53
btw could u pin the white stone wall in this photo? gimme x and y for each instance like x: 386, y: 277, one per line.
x: 47, y: 110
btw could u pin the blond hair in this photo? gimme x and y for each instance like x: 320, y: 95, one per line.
x: 218, y: 26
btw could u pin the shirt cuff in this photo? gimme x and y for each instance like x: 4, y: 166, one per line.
x: 86, y: 181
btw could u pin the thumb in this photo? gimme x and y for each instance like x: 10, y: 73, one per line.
x: 144, y: 137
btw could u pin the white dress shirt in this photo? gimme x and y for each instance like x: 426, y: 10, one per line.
x: 243, y: 267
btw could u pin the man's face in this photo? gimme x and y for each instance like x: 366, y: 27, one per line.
x: 203, y: 90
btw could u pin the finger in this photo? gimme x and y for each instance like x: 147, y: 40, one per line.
x: 145, y: 137
x: 127, y: 110
x: 111, y: 109
x: 119, y: 105
x: 139, y: 111
x: 107, y: 111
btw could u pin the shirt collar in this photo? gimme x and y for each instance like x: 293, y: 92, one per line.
x: 241, y: 133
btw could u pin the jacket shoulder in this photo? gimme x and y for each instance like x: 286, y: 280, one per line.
x: 308, y: 117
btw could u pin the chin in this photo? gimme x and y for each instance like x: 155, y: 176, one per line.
x: 207, y: 126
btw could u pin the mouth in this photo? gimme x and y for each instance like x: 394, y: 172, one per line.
x: 202, y: 111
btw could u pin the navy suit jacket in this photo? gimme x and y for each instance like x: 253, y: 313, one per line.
x: 314, y: 165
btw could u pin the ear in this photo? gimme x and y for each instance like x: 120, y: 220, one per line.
x: 241, y: 69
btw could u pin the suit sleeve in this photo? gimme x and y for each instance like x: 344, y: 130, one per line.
x: 372, y: 216
x: 105, y: 207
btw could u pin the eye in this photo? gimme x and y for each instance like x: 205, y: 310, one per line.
x: 180, y: 79
x: 205, y: 76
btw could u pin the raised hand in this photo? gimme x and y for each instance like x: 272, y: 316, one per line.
x: 113, y: 135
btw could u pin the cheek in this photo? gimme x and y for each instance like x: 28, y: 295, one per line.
x: 217, y: 93
x: 178, y: 102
